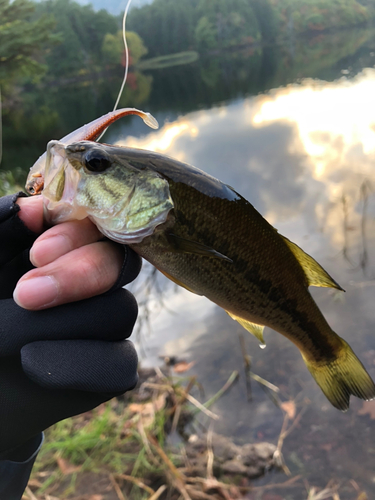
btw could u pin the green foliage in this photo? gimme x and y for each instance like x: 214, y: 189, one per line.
x: 267, y: 17
x: 22, y: 40
x: 10, y: 182
x: 113, y: 47
x: 137, y: 90
x: 82, y: 31
x: 168, y: 26
x: 136, y: 46
x: 301, y: 16
x: 205, y: 34
x: 226, y: 23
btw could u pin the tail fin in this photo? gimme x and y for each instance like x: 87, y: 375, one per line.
x: 341, y: 377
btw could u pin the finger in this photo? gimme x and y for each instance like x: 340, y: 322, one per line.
x: 82, y: 365
x: 107, y: 317
x: 62, y: 239
x: 31, y: 213
x: 80, y: 274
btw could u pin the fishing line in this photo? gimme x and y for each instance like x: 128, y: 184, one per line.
x: 126, y: 63
x: 126, y: 55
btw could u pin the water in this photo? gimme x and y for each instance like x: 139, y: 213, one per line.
x: 292, y: 128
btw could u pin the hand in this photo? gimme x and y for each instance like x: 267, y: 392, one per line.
x: 64, y: 360
x: 66, y: 373
x: 72, y: 264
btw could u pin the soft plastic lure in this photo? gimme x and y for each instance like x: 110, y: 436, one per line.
x: 89, y: 132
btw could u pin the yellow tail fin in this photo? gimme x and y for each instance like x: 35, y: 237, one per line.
x: 341, y: 377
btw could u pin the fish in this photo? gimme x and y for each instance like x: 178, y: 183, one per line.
x: 207, y: 238
x: 89, y: 132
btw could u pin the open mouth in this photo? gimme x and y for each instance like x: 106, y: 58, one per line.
x: 60, y: 186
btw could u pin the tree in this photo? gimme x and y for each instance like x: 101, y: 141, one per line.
x: 166, y: 26
x: 23, y: 39
x: 113, y: 48
x: 82, y: 31
x: 225, y: 23
x: 205, y: 34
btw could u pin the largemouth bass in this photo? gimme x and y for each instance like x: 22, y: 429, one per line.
x: 206, y: 237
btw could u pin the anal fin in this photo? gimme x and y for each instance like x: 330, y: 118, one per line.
x: 253, y: 328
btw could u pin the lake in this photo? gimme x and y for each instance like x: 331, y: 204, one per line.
x: 291, y: 128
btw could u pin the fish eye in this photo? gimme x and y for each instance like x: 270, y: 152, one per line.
x: 96, y: 162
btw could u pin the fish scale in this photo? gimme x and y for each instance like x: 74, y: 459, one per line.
x: 243, y: 291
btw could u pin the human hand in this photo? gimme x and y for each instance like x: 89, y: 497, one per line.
x: 81, y: 361
x: 71, y: 263
x: 63, y: 360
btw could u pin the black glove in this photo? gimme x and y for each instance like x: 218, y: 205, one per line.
x: 62, y: 361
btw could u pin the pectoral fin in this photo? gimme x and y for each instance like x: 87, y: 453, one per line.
x: 315, y: 274
x: 188, y: 246
x: 253, y: 328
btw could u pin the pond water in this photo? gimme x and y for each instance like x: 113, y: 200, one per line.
x: 291, y: 128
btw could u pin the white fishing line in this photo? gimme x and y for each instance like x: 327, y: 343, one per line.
x: 126, y: 63
x: 126, y: 55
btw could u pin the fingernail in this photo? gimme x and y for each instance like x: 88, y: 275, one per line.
x: 36, y: 293
x: 45, y: 251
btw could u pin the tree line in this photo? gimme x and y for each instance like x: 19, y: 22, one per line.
x: 207, y: 25
x: 62, y: 38
x: 61, y: 63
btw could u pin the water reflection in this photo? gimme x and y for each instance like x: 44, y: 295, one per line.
x: 304, y: 156
x: 302, y: 147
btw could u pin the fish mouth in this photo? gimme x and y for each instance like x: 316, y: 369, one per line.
x: 60, y: 187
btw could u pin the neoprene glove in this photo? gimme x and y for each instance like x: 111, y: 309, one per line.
x: 62, y: 361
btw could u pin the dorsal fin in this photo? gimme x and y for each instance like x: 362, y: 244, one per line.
x: 315, y: 274
x: 253, y: 328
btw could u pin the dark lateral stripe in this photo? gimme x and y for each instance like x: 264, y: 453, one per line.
x: 89, y: 197
x: 104, y: 186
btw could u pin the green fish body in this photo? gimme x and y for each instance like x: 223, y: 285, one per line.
x: 207, y: 238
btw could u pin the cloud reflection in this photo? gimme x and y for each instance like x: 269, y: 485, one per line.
x: 297, y: 150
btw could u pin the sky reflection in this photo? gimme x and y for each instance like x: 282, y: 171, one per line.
x: 298, y: 148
